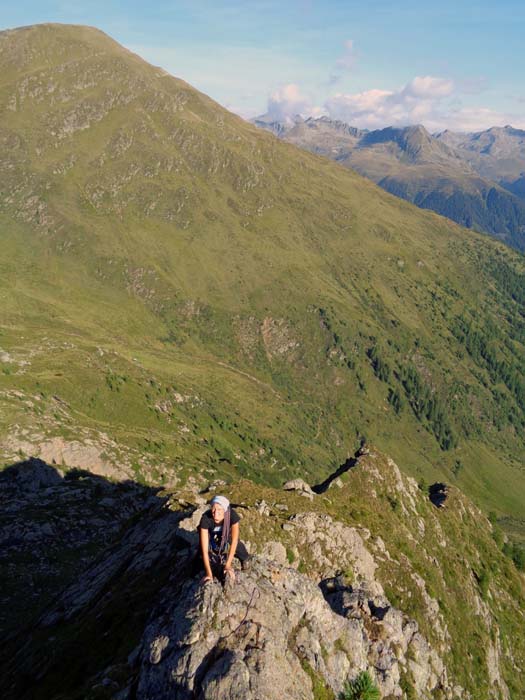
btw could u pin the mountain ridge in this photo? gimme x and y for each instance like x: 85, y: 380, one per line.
x: 367, y: 579
x: 441, y: 172
x: 156, y: 253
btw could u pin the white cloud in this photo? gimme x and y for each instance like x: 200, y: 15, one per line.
x: 428, y: 100
x: 415, y: 102
x: 427, y: 87
x: 374, y: 109
x: 287, y: 102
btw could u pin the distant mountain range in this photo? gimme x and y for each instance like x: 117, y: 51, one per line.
x: 477, y: 180
x: 497, y: 154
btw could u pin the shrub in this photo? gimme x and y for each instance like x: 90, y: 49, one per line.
x: 394, y: 503
x: 515, y: 552
x: 361, y: 688
x: 483, y: 579
x: 380, y: 367
x: 458, y: 466
x: 396, y: 400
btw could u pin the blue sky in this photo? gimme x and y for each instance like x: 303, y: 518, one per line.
x: 457, y: 65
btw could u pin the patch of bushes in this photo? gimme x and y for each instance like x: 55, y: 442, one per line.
x: 361, y: 688
x: 515, y: 552
x: 395, y: 400
x: 428, y: 408
x: 379, y: 365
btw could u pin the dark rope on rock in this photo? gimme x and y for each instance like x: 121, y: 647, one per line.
x: 250, y: 603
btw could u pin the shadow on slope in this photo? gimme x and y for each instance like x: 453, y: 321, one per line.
x: 347, y: 465
x: 83, y: 560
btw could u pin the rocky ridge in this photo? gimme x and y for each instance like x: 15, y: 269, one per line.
x: 310, y: 613
x: 272, y: 632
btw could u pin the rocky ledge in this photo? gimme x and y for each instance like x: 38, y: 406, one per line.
x: 274, y: 633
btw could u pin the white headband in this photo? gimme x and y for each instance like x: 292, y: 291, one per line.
x: 221, y: 501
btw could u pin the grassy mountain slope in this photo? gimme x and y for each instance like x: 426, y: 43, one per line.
x: 439, y: 173
x: 184, y: 294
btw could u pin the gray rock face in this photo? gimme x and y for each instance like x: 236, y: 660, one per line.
x: 270, y: 634
x: 267, y: 633
x: 329, y: 541
x: 245, y: 641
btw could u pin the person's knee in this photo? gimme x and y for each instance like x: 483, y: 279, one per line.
x: 241, y: 552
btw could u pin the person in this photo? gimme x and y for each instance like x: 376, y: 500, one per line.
x: 219, y: 540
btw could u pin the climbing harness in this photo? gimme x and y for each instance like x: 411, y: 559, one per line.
x: 226, y: 527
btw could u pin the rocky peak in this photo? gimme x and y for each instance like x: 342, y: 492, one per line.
x: 415, y: 143
x: 334, y: 125
x: 323, y: 600
x: 275, y: 633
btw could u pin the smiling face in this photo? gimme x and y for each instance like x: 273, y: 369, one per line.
x: 217, y: 513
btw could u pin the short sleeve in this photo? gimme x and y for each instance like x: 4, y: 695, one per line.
x: 205, y: 522
x: 234, y: 517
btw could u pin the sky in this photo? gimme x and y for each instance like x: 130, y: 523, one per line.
x: 453, y: 64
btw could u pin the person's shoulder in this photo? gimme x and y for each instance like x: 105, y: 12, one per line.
x: 206, y: 521
x: 234, y: 517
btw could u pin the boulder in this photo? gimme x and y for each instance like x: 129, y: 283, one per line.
x: 298, y: 485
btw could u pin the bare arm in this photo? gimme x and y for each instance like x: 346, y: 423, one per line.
x: 204, y: 540
x: 233, y: 547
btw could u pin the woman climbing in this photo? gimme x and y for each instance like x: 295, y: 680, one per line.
x: 219, y: 541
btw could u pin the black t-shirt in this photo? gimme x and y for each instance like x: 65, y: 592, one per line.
x: 215, y: 531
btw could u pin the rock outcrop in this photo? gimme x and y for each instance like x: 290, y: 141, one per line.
x: 323, y: 600
x: 269, y: 634
x: 438, y: 494
x: 300, y: 486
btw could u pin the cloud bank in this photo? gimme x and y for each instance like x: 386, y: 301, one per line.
x: 419, y: 101
x: 432, y: 101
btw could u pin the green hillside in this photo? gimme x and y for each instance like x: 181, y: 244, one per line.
x: 441, y: 173
x: 184, y: 295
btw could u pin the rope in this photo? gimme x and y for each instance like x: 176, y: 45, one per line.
x: 225, y: 537
x: 250, y: 603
